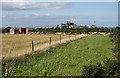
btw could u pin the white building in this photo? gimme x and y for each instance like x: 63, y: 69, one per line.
x: 12, y: 31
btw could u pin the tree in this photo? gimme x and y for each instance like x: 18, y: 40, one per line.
x: 6, y: 30
x: 115, y: 35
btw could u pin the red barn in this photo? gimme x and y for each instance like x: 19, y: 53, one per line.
x: 23, y: 30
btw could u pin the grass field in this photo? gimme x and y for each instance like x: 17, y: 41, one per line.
x: 67, y: 59
x: 21, y: 43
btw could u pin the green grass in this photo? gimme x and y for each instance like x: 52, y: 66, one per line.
x: 67, y: 59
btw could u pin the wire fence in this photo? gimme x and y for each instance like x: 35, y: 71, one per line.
x: 17, y: 45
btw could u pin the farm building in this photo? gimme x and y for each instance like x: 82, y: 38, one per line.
x: 19, y: 31
x: 23, y: 30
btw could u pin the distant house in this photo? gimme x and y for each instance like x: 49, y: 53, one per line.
x: 68, y: 25
x: 19, y: 31
x: 14, y: 31
x: 63, y: 26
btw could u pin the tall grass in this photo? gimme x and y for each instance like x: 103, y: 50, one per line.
x: 19, y: 43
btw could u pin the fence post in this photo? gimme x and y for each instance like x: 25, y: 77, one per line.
x: 60, y: 38
x: 50, y: 42
x: 32, y: 45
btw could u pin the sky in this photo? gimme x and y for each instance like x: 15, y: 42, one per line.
x: 36, y: 13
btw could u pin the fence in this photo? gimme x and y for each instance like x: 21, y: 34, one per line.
x: 17, y: 45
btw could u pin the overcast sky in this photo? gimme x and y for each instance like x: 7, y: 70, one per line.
x: 36, y: 13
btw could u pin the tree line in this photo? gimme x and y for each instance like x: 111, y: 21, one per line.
x: 71, y: 30
x: 64, y: 30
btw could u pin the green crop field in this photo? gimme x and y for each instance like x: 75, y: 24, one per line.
x: 67, y: 59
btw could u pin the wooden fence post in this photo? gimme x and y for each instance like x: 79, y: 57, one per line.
x: 60, y: 38
x: 50, y: 42
x: 32, y: 45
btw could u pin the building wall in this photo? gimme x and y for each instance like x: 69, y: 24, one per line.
x: 12, y: 31
x: 20, y: 30
x: 27, y: 30
x: 23, y: 30
x: 16, y: 31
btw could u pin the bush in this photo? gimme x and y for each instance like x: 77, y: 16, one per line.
x: 93, y: 71
x: 115, y: 35
x: 109, y: 68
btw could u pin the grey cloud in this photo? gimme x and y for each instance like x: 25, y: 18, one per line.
x: 13, y: 6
